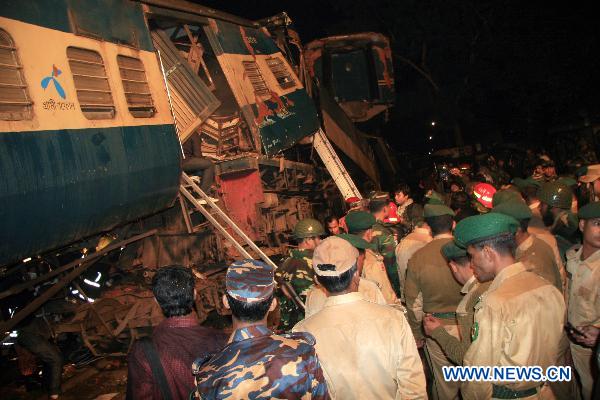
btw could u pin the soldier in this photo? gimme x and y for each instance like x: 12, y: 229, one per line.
x: 531, y: 250
x: 366, y: 349
x: 504, y: 195
x: 519, y: 319
x: 383, y: 238
x: 460, y: 265
x: 297, y: 271
x: 428, y: 276
x: 256, y: 363
x: 555, y: 206
x: 317, y: 295
x: 583, y: 268
x: 360, y: 223
x: 407, y: 247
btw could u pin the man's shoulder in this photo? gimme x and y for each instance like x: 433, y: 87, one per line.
x: 431, y: 249
x: 520, y: 289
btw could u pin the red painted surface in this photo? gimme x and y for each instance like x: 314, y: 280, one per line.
x: 240, y: 193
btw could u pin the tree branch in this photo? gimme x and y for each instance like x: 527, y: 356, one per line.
x: 420, y: 70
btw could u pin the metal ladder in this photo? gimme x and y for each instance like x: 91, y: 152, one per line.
x: 334, y: 165
x: 211, y: 211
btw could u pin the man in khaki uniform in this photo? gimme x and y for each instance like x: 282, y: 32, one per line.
x: 366, y: 350
x: 317, y: 295
x: 428, y: 276
x: 583, y: 268
x: 519, y: 320
x: 407, y: 247
x: 360, y: 223
x: 530, y: 249
x: 460, y: 265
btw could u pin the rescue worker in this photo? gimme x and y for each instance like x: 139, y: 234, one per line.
x: 530, y: 249
x: 366, y: 349
x: 555, y: 205
x: 428, y: 276
x: 317, y: 295
x: 583, y: 268
x: 333, y: 226
x: 409, y: 212
x: 407, y: 247
x: 354, y: 204
x: 460, y: 265
x: 519, y: 319
x: 383, y: 238
x: 297, y: 271
x: 360, y: 223
x: 256, y: 363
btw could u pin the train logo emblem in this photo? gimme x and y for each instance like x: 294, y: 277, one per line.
x: 52, y: 78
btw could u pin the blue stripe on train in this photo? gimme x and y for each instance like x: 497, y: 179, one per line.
x: 60, y: 186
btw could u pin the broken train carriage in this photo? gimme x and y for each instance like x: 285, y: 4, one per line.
x: 92, y: 118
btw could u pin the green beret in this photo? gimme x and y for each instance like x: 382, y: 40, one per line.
x: 589, y: 211
x: 516, y: 209
x: 523, y: 183
x: 436, y: 210
x: 357, y: 221
x: 452, y: 251
x: 502, y: 196
x: 356, y: 241
x: 434, y: 197
x: 480, y: 227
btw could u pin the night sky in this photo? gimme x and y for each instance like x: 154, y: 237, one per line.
x: 493, y: 70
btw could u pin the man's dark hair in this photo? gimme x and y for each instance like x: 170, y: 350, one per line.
x: 249, y: 311
x: 524, y: 224
x: 459, y: 200
x: 173, y: 288
x: 329, y: 219
x: 376, y: 206
x: 402, y: 188
x: 440, y: 224
x: 530, y: 192
x: 503, y: 244
x: 337, y: 284
x: 462, y: 261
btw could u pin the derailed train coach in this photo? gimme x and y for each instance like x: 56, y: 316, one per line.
x: 97, y: 98
x: 91, y: 136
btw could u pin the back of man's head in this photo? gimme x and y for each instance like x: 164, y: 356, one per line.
x: 440, y: 224
x: 173, y: 288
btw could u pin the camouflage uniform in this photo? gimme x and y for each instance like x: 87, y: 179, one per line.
x: 257, y: 364
x: 385, y: 244
x: 297, y: 270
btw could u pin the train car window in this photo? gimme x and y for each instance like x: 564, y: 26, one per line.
x: 15, y: 103
x: 91, y: 83
x: 283, y: 76
x: 258, y: 82
x: 135, y: 84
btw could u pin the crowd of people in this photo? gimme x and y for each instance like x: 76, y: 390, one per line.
x: 488, y: 269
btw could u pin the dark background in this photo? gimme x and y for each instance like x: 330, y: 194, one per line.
x: 486, y: 71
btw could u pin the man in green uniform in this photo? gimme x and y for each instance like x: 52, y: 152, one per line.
x: 297, y: 271
x: 555, y: 205
x: 429, y: 277
x: 519, y: 319
x: 383, y: 237
x: 460, y: 265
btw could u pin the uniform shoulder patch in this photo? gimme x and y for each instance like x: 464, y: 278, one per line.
x: 301, y: 336
x: 474, y: 331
